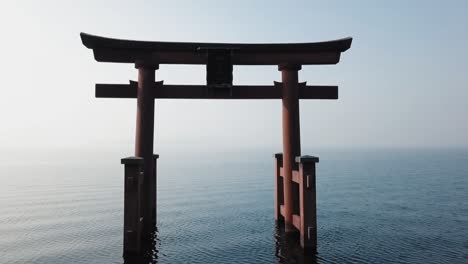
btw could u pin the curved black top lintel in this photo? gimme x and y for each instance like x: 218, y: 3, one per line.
x: 130, y: 51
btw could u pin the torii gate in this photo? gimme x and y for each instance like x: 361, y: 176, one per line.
x: 295, y: 192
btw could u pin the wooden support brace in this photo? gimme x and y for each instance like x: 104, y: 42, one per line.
x: 133, y: 191
x: 279, y: 192
x: 308, y: 205
x: 154, y: 188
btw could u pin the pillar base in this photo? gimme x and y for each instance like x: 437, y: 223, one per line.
x: 135, y: 235
x: 289, y: 228
x: 304, y: 220
x: 133, y: 220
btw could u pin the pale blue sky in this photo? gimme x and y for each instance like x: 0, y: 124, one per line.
x: 403, y: 83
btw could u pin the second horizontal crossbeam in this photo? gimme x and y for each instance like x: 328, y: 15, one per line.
x: 163, y: 91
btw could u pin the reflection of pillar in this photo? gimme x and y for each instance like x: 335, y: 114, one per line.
x: 291, y: 135
x: 144, y: 139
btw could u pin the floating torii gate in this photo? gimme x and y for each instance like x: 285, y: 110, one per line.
x: 295, y: 192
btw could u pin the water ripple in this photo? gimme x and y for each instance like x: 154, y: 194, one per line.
x: 372, y: 208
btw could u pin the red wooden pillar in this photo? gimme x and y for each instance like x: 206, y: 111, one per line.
x: 144, y: 140
x: 291, y: 136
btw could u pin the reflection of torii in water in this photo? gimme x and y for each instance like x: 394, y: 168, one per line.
x: 295, y: 197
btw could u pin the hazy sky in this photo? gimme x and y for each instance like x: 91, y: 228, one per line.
x: 403, y: 83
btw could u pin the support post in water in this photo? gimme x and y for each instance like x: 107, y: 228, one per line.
x: 307, y: 203
x: 279, y: 189
x: 144, y: 140
x: 291, y: 136
x: 133, y: 181
x: 154, y: 195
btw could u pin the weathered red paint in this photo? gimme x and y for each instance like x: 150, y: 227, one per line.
x: 291, y: 136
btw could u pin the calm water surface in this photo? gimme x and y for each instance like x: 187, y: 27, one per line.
x: 382, y: 206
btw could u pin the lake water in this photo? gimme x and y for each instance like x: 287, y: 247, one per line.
x: 374, y: 206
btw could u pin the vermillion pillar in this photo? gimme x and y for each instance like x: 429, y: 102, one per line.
x: 291, y: 135
x: 144, y: 141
